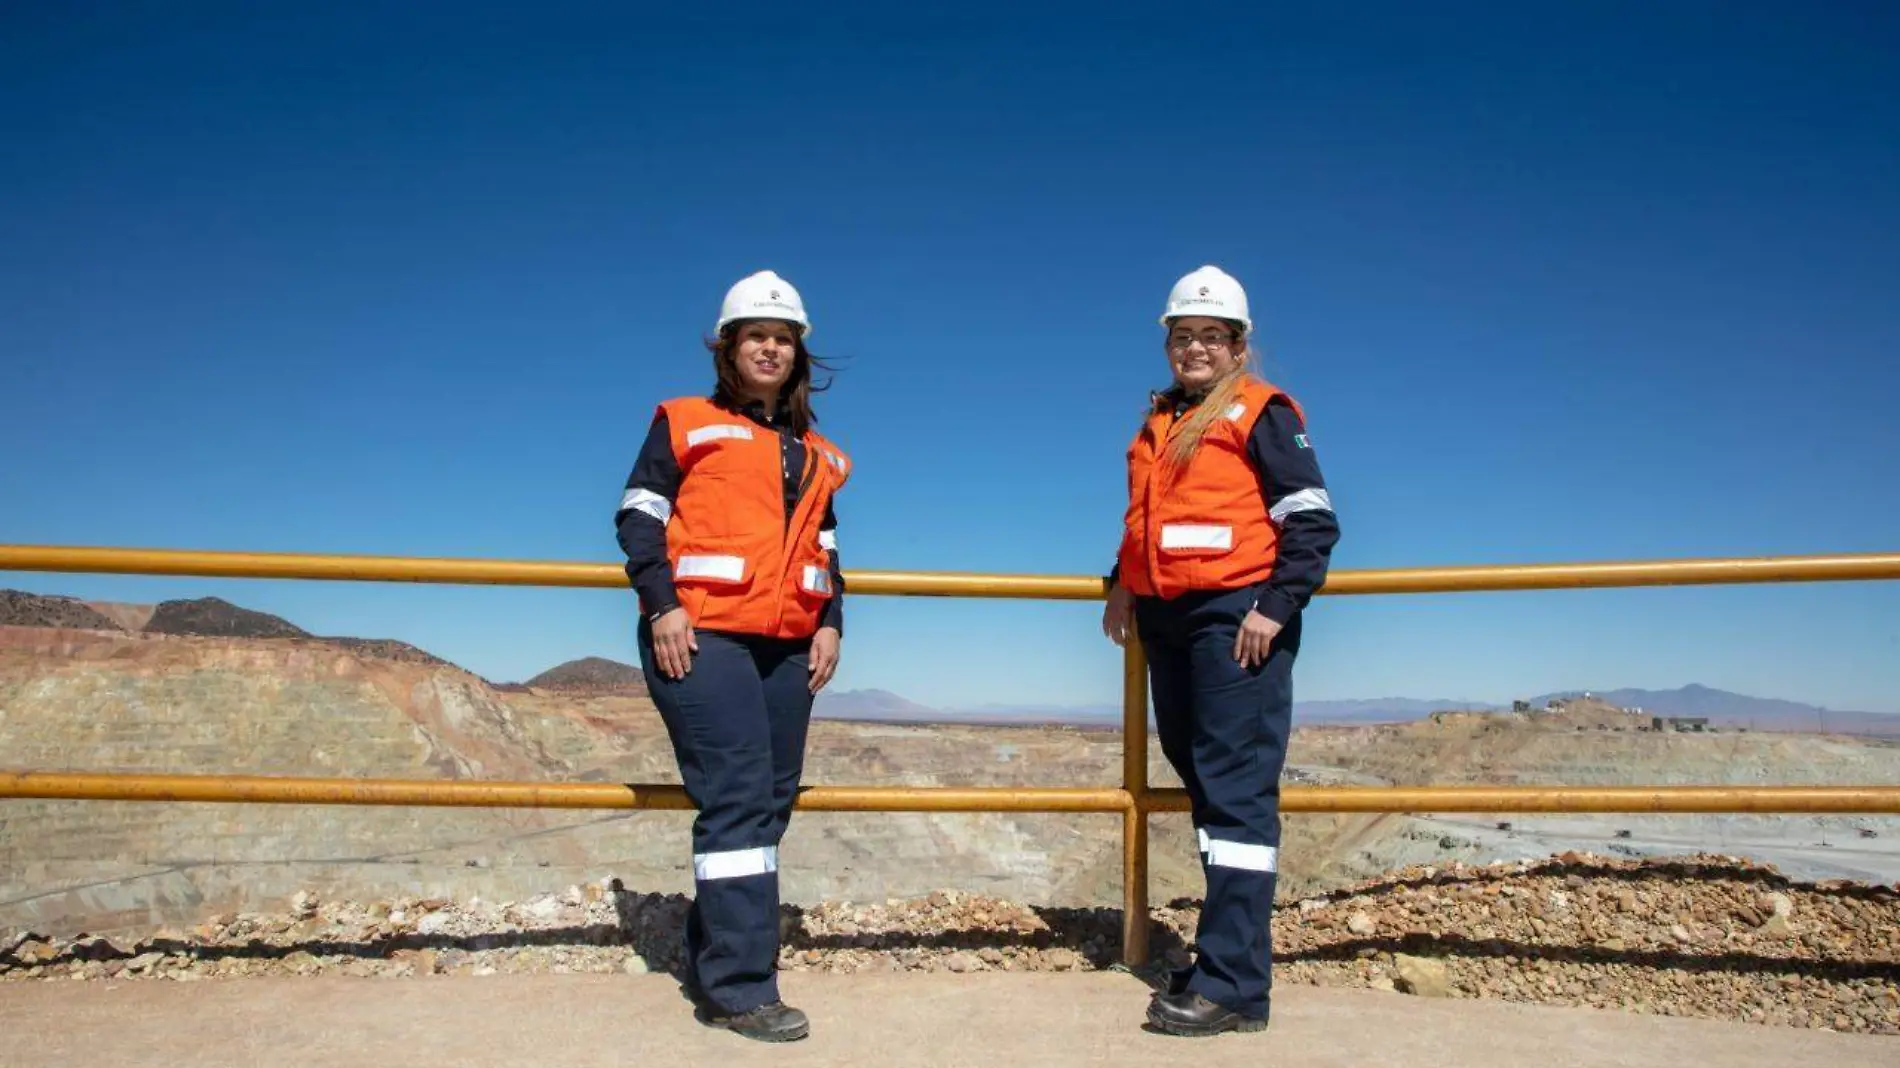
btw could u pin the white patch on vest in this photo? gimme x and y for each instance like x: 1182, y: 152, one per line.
x: 828, y: 540
x: 836, y: 460
x: 696, y: 438
x: 649, y: 502
x: 1306, y: 500
x: 817, y: 580
x: 735, y: 863
x: 711, y: 568
x: 1234, y: 413
x: 1189, y: 536
x: 1224, y: 854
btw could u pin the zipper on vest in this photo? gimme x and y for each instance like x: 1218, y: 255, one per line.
x: 1151, y: 537
x: 806, y: 478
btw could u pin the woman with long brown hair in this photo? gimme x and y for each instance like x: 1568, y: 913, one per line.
x: 731, y: 544
x: 1228, y: 533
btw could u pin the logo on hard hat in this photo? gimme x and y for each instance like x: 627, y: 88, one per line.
x: 775, y: 294
x: 1203, y: 291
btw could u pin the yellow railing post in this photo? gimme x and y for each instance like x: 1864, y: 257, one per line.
x: 1135, y: 817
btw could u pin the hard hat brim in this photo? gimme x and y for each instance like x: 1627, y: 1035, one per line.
x: 804, y: 329
x: 1246, y: 324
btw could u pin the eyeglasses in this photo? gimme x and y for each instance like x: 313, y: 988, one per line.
x: 1209, y: 339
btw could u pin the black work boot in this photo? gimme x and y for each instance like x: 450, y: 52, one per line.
x: 1193, y: 1016
x: 1178, y: 981
x: 773, y: 1022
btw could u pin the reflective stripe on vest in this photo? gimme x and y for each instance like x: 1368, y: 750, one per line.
x: 1186, y: 536
x: 701, y: 435
x: 710, y: 568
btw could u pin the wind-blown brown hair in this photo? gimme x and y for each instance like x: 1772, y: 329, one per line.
x: 794, y: 396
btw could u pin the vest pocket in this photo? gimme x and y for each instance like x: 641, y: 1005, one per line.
x: 1196, y: 539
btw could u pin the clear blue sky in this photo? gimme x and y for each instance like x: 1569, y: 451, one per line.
x: 1615, y: 281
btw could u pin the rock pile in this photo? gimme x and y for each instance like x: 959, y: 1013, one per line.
x: 1696, y: 936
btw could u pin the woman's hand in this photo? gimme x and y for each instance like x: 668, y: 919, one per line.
x: 674, y: 644
x: 1255, y: 639
x: 824, y: 657
x: 1118, y: 614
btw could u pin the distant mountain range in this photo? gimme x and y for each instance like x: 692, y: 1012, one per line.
x: 884, y: 706
x: 1721, y: 707
x: 1726, y: 709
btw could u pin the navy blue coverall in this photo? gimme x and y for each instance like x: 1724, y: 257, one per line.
x: 737, y: 723
x: 1224, y: 727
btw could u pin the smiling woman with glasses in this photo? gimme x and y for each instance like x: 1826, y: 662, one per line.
x: 1228, y: 534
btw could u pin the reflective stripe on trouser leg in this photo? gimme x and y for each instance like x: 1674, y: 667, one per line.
x: 719, y: 724
x: 1242, y: 855
x: 734, y: 863
x: 1240, y: 724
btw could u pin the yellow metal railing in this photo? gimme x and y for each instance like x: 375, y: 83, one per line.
x: 1134, y: 800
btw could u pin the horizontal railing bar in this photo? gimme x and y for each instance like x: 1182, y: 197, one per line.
x: 470, y: 571
x: 339, y: 567
x: 263, y: 789
x: 1712, y: 571
x: 1626, y: 799
x: 269, y: 789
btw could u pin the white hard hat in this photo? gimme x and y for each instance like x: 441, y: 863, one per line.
x: 763, y: 296
x: 1208, y: 291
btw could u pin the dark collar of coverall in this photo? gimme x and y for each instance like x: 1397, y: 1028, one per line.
x: 755, y: 411
x: 1176, y: 400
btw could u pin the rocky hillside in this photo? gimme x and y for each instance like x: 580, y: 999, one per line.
x: 205, y: 617
x: 592, y: 675
x: 115, y: 702
x: 18, y: 609
x: 211, y: 617
x: 388, y: 649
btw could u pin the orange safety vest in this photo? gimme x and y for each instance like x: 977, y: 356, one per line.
x: 737, y: 565
x: 1203, y: 526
